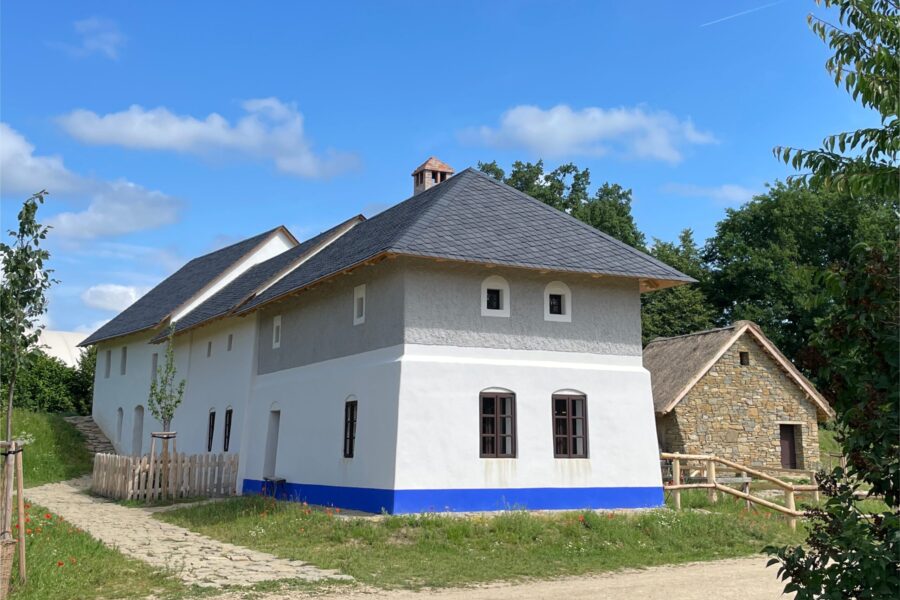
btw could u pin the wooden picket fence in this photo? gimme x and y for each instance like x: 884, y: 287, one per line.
x: 141, y: 477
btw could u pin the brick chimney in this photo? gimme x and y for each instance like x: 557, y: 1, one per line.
x: 430, y: 173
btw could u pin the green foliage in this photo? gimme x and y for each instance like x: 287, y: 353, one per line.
x: 165, y: 394
x: 765, y: 257
x: 850, y: 554
x: 55, y: 449
x: 683, y: 309
x: 47, y: 384
x: 865, y: 63
x: 22, y: 296
x: 438, y: 550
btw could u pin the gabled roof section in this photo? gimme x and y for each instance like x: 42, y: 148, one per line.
x: 676, y: 364
x: 433, y: 164
x: 472, y: 217
x: 158, y: 304
x: 258, y: 278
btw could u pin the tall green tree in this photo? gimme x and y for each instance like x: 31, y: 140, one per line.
x: 866, y: 47
x: 682, y: 309
x: 766, y: 255
x: 22, y: 297
x: 849, y: 554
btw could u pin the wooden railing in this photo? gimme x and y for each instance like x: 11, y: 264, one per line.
x: 152, y: 477
x: 716, y: 484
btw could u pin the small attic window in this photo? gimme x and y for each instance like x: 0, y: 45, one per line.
x: 494, y: 297
x: 434, y: 176
x: 208, y: 349
x: 276, y: 332
x: 745, y: 358
x: 359, y: 304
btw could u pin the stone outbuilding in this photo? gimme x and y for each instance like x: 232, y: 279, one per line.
x: 732, y: 393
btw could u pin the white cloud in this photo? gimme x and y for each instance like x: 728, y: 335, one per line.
x: 270, y: 129
x: 727, y: 194
x: 97, y: 35
x: 561, y: 131
x: 111, y: 296
x: 114, y: 208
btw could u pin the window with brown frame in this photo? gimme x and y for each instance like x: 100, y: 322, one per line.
x: 570, y: 437
x: 498, y: 425
x: 227, y: 433
x: 350, y: 428
x: 745, y: 358
x: 211, y: 430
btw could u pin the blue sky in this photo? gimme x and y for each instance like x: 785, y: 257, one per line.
x: 165, y: 130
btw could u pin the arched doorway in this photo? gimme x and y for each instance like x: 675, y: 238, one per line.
x: 137, y: 431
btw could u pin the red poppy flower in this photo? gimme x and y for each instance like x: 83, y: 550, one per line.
x: 59, y: 563
x: 27, y: 520
x: 48, y: 516
x: 581, y: 518
x: 27, y: 505
x: 28, y: 531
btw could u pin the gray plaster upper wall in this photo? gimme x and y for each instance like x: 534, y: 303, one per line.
x: 418, y: 301
x: 317, y: 325
x: 443, y: 307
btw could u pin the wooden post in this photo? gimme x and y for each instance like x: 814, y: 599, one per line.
x: 676, y: 480
x: 745, y: 487
x: 8, y: 470
x: 789, y: 500
x: 20, y: 500
x: 150, y: 484
x: 812, y: 480
x: 711, y: 478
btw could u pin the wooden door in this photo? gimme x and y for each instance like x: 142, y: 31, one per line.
x: 788, y: 447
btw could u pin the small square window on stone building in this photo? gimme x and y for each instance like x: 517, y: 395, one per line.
x: 745, y: 358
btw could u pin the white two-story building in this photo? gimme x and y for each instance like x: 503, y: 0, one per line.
x: 467, y: 349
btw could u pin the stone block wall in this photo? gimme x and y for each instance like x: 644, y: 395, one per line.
x: 735, y: 411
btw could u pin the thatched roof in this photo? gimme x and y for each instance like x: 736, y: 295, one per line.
x: 676, y: 364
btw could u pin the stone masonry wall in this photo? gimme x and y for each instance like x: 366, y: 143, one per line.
x: 734, y: 411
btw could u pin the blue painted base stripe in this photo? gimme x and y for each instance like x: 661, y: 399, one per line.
x: 463, y: 500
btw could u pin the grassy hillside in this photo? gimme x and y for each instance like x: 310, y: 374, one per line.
x: 56, y: 451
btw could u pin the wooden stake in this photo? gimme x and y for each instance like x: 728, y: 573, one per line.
x: 676, y: 480
x: 20, y: 492
x: 711, y: 478
x: 789, y: 500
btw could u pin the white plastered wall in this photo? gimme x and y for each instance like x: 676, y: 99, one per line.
x: 438, y: 438
x: 311, y: 400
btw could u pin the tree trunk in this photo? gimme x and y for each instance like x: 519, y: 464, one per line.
x: 9, y: 405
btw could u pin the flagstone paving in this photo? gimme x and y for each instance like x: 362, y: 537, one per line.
x: 194, y: 558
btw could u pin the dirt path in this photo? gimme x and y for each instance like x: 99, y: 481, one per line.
x: 194, y: 558
x: 738, y: 579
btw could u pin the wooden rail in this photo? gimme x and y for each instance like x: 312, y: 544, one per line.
x: 713, y: 485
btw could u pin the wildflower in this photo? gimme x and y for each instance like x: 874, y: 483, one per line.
x: 17, y: 525
x: 28, y: 531
x: 27, y: 519
x: 48, y: 516
x: 337, y: 510
x: 72, y: 560
x: 59, y: 563
x: 38, y: 530
x: 581, y: 518
x: 27, y: 506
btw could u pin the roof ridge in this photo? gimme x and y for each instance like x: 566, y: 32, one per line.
x: 693, y: 333
x: 643, y: 255
x: 423, y: 217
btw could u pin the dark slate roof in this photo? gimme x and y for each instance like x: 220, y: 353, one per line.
x: 473, y: 217
x: 233, y: 294
x: 157, y: 304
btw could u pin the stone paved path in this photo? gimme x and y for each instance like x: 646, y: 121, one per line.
x: 194, y: 558
x: 95, y: 440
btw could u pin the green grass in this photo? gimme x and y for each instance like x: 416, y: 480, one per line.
x: 57, y: 452
x: 436, y: 550
x: 65, y: 563
x: 828, y: 443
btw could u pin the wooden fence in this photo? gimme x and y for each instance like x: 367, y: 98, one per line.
x: 151, y: 478
x: 708, y: 479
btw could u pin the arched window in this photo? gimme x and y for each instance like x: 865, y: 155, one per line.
x: 211, y: 430
x: 495, y: 298
x: 497, y: 415
x: 570, y: 424
x: 350, y: 412
x: 557, y: 302
x: 226, y: 441
x: 120, y: 415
